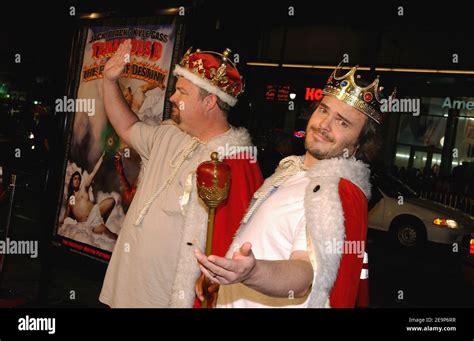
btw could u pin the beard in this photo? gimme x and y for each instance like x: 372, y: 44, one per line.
x: 175, y: 115
x: 327, y: 153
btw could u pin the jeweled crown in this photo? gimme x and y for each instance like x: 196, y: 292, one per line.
x: 215, y: 72
x: 366, y: 99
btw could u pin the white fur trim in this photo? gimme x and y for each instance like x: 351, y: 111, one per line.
x: 329, y: 226
x: 198, y: 81
x: 324, y: 228
x: 195, y: 225
x: 351, y: 169
x: 187, y: 269
x: 238, y: 137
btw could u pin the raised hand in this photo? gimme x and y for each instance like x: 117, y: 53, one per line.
x: 116, y: 64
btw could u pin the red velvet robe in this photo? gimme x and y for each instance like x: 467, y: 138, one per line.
x: 349, y: 289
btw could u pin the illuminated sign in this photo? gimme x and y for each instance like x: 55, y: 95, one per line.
x: 299, y: 134
x: 457, y: 104
x: 278, y: 93
x: 313, y: 94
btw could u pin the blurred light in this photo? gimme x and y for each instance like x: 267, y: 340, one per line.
x: 452, y: 223
x: 441, y: 141
x: 91, y: 16
x: 35, y: 102
x: 364, y: 68
x: 168, y: 11
x: 263, y: 64
x: 445, y: 222
x: 471, y: 248
x: 33, y: 147
x: 8, y: 95
x: 324, y: 67
x: 445, y: 115
x: 299, y: 134
x: 31, y: 136
x: 292, y: 95
x: 459, y: 72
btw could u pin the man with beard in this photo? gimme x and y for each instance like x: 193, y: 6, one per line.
x: 302, y: 241
x: 153, y: 263
x: 82, y: 209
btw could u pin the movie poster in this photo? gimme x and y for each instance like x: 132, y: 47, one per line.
x: 102, y: 171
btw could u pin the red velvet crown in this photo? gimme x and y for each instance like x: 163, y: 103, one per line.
x: 213, y: 72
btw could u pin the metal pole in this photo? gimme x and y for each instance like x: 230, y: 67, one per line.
x: 7, y: 229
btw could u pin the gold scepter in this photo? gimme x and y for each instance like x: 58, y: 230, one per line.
x: 213, y: 183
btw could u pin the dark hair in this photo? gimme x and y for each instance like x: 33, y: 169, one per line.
x: 370, y: 141
x: 70, y: 188
x: 370, y: 138
x: 225, y: 108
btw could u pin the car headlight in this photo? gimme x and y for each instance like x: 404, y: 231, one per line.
x: 446, y: 222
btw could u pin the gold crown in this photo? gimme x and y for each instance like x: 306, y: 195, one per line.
x: 365, y: 99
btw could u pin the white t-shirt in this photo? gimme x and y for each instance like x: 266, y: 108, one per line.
x: 275, y: 230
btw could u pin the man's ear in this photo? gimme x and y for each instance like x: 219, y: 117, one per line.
x: 210, y: 101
